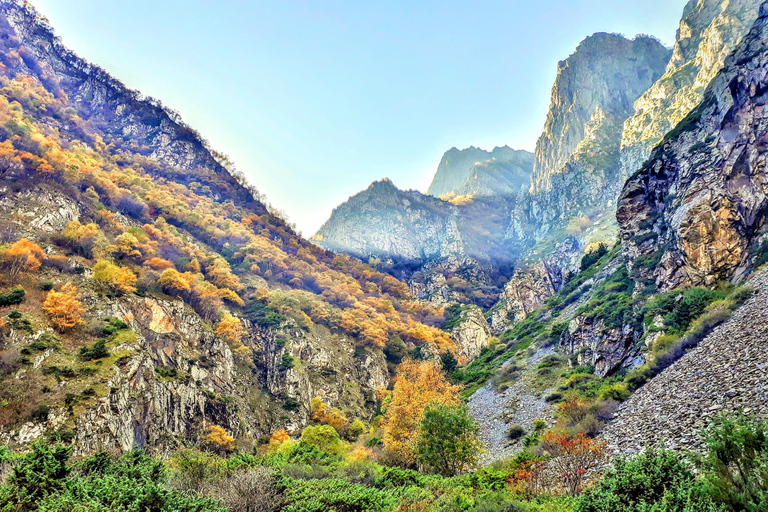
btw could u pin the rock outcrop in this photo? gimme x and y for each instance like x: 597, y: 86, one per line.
x: 472, y: 333
x: 532, y: 284
x: 476, y: 172
x: 696, y: 209
x: 709, y: 31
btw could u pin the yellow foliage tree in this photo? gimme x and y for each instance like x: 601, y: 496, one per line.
x: 230, y: 328
x: 218, y: 440
x: 332, y: 416
x: 174, y: 281
x: 113, y: 277
x: 23, y: 255
x: 417, y: 385
x: 64, y: 307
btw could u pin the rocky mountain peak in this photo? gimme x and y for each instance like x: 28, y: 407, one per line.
x: 709, y: 31
x: 607, y: 71
x: 476, y: 172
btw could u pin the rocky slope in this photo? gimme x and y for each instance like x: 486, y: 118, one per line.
x: 727, y: 373
x: 709, y: 31
x: 695, y: 212
x: 476, y: 172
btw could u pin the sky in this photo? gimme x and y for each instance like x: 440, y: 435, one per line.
x: 315, y: 99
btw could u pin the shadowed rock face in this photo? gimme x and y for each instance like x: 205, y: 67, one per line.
x: 693, y: 212
x: 708, y: 33
x: 476, y: 172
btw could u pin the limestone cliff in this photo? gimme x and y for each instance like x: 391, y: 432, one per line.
x: 595, y: 87
x: 476, y: 172
x: 696, y: 209
x: 709, y: 31
x: 576, y: 173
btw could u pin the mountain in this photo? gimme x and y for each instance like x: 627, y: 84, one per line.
x: 445, y: 251
x: 384, y: 221
x: 694, y: 212
x: 152, y: 290
x: 577, y: 155
x: 709, y: 31
x: 475, y: 172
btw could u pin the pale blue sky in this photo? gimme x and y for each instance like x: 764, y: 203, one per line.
x: 315, y: 99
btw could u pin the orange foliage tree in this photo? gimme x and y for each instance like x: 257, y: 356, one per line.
x: 279, y: 437
x: 572, y: 457
x: 230, y: 328
x: 218, y: 440
x: 417, y: 385
x: 23, y: 255
x: 64, y: 307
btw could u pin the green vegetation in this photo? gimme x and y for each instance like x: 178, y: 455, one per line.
x: 12, y: 298
x: 732, y: 475
x: 448, y: 442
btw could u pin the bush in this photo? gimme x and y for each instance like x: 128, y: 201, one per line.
x: 515, y: 432
x: 250, y: 490
x: 322, y: 437
x: 736, y: 464
x: 12, y: 298
x: 97, y: 351
x: 335, y: 494
x: 656, y: 480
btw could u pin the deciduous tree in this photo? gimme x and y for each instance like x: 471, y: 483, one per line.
x: 417, y: 385
x: 64, y: 308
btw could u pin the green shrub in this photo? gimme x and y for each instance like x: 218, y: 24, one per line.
x: 97, y: 351
x: 286, y: 362
x: 515, y: 432
x: 322, y: 437
x: 735, y: 467
x: 594, y: 256
x: 335, y: 494
x: 617, y: 392
x: 12, y: 298
x: 655, y: 480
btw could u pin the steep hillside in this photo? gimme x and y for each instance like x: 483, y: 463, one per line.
x: 148, y: 291
x: 475, y: 172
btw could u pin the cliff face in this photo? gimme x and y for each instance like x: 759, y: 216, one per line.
x: 695, y: 211
x: 595, y: 88
x: 476, y: 172
x: 709, y: 31
x: 576, y: 173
